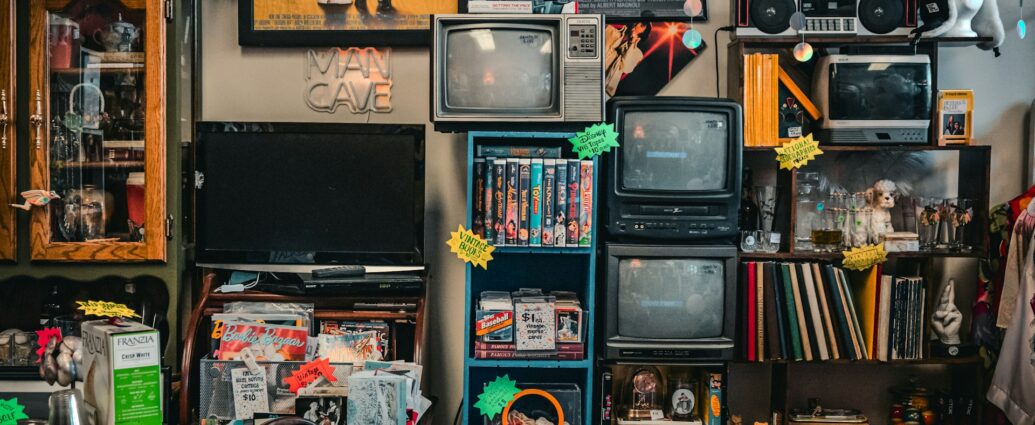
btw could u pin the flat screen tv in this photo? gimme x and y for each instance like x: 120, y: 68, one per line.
x: 285, y: 193
x: 499, y: 71
x: 670, y: 302
x: 676, y: 174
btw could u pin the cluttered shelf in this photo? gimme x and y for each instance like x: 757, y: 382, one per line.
x: 541, y: 250
x: 883, y: 148
x: 879, y: 39
x: 831, y: 256
x: 966, y: 360
x: 518, y: 363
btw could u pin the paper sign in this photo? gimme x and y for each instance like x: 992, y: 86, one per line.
x: 308, y: 373
x: 11, y: 412
x: 106, y: 309
x: 864, y: 257
x: 797, y: 153
x: 496, y: 395
x: 594, y: 140
x: 249, y: 392
x: 43, y: 338
x: 657, y: 415
x: 470, y: 247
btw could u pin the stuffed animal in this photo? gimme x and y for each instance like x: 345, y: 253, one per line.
x: 881, y: 198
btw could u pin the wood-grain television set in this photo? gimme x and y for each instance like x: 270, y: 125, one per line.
x: 498, y: 72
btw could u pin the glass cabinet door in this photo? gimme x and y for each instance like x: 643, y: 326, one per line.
x: 8, y: 189
x: 97, y: 132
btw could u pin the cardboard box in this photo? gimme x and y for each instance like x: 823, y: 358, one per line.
x: 122, y: 367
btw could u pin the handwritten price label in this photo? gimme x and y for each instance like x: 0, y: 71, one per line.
x: 106, y: 309
x: 470, y: 247
x: 496, y: 396
x: 249, y: 392
x: 11, y: 412
x: 864, y: 257
x: 594, y: 140
x: 308, y: 373
x: 797, y: 153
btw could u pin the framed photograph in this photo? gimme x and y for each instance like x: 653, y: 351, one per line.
x: 661, y: 10
x: 339, y: 23
x: 322, y: 410
x: 955, y: 117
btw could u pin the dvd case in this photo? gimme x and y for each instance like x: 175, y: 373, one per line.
x: 478, y: 212
x: 499, y: 195
x: 535, y: 221
x: 487, y: 212
x: 512, y: 201
x: 572, y: 225
x: 586, y: 203
x: 524, y: 192
x: 561, y: 208
x: 549, y: 180
x: 519, y: 151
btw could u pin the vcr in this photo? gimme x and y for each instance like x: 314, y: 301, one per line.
x: 674, y: 222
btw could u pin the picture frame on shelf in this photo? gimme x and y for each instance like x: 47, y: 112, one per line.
x: 654, y: 10
x: 955, y: 117
x: 323, y: 23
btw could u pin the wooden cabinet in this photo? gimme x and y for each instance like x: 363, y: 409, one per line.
x: 8, y: 189
x: 95, y: 118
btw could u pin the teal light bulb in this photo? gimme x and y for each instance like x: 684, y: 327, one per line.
x: 692, y: 39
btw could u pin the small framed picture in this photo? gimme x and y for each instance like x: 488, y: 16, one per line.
x: 955, y: 117
x: 321, y: 410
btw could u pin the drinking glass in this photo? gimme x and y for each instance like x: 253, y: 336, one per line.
x: 929, y: 222
x: 805, y: 214
x: 859, y: 228
x: 958, y: 213
x: 765, y: 197
x: 826, y: 231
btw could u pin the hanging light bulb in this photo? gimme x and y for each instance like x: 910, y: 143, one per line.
x: 798, y: 21
x: 803, y: 51
x: 1022, y: 29
x: 693, y: 8
x: 692, y: 39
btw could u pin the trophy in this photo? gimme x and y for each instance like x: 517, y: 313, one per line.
x: 644, y: 388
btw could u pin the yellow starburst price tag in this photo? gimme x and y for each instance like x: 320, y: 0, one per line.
x: 106, y: 309
x: 864, y: 257
x: 470, y: 247
x: 797, y: 153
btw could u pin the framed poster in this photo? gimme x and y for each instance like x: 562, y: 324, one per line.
x: 662, y: 10
x: 338, y: 23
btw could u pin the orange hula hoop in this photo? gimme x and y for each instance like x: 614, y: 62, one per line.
x: 541, y: 393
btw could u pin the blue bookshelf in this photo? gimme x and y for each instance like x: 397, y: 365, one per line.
x: 564, y: 269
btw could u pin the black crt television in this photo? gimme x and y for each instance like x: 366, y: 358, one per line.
x: 309, y: 194
x: 668, y: 302
x: 677, y: 173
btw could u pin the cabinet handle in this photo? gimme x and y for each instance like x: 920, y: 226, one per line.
x: 3, y: 119
x: 36, y: 120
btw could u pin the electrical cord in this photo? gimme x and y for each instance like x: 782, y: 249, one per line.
x: 715, y: 45
x: 460, y: 408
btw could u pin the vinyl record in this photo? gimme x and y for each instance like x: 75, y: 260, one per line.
x: 772, y: 16
x: 881, y: 16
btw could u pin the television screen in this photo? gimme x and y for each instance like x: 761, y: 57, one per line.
x: 675, y: 151
x: 312, y: 194
x: 509, y: 67
x: 670, y: 298
x: 880, y: 91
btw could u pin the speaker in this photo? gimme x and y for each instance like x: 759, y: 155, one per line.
x: 882, y: 16
x: 761, y: 18
x: 771, y: 16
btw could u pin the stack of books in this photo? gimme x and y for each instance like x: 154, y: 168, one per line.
x: 530, y: 196
x: 815, y: 312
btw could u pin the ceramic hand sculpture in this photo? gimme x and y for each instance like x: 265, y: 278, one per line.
x: 971, y: 18
x: 947, y: 319
x: 36, y: 198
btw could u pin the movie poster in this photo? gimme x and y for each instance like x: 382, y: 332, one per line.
x: 324, y: 15
x: 642, y: 57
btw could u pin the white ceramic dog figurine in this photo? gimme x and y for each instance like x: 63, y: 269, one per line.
x: 881, y: 197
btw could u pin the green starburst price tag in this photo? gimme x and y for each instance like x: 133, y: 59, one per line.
x: 594, y: 140
x: 496, y: 395
x: 11, y: 412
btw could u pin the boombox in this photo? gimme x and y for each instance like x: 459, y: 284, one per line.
x: 826, y: 17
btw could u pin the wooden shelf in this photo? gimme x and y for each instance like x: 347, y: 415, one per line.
x: 129, y: 69
x: 881, y: 148
x: 845, y: 40
x: 969, y: 360
x: 100, y: 164
x: 530, y: 363
x: 541, y: 250
x: 830, y: 256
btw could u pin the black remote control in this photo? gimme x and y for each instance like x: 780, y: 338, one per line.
x: 340, y: 271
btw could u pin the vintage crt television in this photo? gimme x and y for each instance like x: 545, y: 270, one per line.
x: 498, y: 72
x: 873, y: 99
x: 677, y: 172
x: 670, y: 302
x: 287, y: 194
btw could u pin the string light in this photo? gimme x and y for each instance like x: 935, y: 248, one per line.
x: 692, y: 38
x: 803, y: 51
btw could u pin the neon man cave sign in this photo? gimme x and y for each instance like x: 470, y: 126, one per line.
x: 357, y: 78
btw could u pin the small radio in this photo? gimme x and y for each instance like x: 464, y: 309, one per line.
x: 826, y: 17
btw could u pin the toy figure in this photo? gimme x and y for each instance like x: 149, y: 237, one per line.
x: 36, y: 198
x: 946, y: 320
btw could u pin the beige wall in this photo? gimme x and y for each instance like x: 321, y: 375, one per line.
x: 252, y: 84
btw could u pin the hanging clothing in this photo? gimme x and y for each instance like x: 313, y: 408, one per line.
x: 1013, y: 385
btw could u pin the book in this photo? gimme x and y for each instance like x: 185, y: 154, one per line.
x: 499, y: 199
x: 759, y: 306
x: 816, y: 320
x: 806, y: 310
x: 524, y: 200
x: 511, y: 354
x: 549, y: 199
x: 506, y: 346
x: 586, y: 203
x: 838, y: 309
x: 773, y: 330
x: 535, y: 222
x: 864, y: 291
x: 852, y: 314
x: 955, y: 117
x: 574, y: 203
x: 377, y: 398
x: 824, y: 311
x: 794, y: 337
x: 518, y: 151
x: 488, y: 200
x: 511, y: 223
x: 561, y: 208
x: 884, y: 322
x: 478, y: 203
x: 749, y: 321
x: 803, y: 330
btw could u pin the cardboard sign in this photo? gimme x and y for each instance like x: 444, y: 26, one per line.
x: 308, y: 374
x: 594, y: 140
x: 470, y: 247
x: 864, y: 257
x: 496, y: 396
x: 535, y: 326
x: 797, y: 153
x: 106, y: 309
x: 249, y: 392
x: 43, y: 337
x: 11, y: 412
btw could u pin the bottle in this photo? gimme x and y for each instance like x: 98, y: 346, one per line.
x: 747, y: 215
x: 51, y: 308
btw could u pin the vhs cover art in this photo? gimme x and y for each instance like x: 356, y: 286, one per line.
x: 511, y: 225
x: 499, y: 207
x: 574, y: 202
x: 561, y: 207
x: 535, y: 222
x: 524, y: 180
x: 549, y: 180
x: 478, y: 203
x: 586, y: 203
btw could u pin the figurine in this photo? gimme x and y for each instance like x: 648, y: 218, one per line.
x: 882, y: 197
x: 36, y: 198
x: 947, y: 319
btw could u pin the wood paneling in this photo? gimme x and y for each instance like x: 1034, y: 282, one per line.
x: 8, y: 148
x: 154, y: 245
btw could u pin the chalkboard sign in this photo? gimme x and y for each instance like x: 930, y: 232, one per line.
x: 668, y: 10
